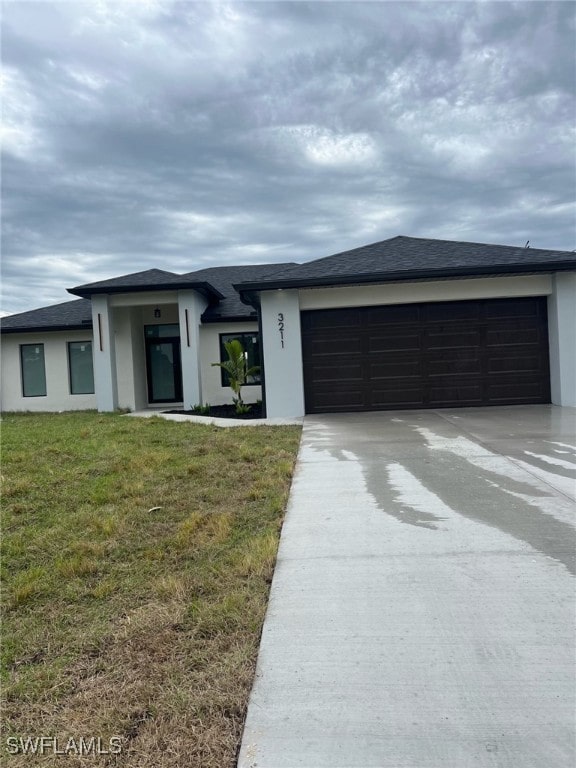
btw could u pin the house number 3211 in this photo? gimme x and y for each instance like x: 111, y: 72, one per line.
x: 281, y: 328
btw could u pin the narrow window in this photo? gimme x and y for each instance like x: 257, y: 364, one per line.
x: 251, y: 345
x: 33, y: 370
x: 81, y: 367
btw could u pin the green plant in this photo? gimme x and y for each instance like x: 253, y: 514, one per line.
x: 238, y: 372
x: 201, y: 410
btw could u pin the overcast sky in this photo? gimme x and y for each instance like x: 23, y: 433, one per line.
x: 181, y: 135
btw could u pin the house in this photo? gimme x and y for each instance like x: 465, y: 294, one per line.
x: 402, y: 323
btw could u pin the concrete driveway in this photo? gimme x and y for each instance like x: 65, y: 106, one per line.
x: 422, y: 611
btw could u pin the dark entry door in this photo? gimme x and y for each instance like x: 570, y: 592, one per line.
x: 445, y: 354
x: 164, y: 369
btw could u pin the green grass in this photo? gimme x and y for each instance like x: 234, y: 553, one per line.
x: 136, y: 561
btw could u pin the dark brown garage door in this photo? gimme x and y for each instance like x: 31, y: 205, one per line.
x: 459, y: 353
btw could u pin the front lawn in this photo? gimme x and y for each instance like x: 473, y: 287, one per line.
x: 137, y: 558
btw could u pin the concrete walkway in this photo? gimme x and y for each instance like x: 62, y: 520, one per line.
x: 148, y: 413
x: 422, y: 612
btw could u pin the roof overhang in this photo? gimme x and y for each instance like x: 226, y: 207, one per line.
x: 229, y: 318
x: 249, y: 290
x: 48, y: 328
x: 203, y: 288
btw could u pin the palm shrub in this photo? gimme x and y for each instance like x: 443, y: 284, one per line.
x: 238, y: 372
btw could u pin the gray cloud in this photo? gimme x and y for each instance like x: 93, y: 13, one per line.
x: 178, y: 135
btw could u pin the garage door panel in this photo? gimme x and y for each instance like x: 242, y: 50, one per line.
x: 391, y: 315
x: 523, y: 392
x: 343, y: 345
x: 338, y: 373
x: 342, y: 318
x: 395, y: 342
x: 340, y: 399
x: 514, y: 309
x: 455, y: 394
x: 458, y: 312
x: 498, y: 337
x: 446, y: 354
x: 397, y: 397
x: 451, y: 339
x: 454, y: 366
x: 395, y: 369
x: 516, y: 363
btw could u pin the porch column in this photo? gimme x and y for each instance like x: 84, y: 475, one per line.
x: 190, y: 308
x: 561, y: 325
x: 104, y: 353
x: 282, y: 353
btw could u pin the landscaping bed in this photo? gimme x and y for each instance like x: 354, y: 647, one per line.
x: 137, y: 556
x: 224, y: 412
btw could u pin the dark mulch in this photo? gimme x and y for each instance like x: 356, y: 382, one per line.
x: 226, y: 412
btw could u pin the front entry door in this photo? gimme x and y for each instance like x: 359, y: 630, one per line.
x: 164, y: 370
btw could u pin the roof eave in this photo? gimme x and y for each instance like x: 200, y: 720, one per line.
x: 205, y: 289
x: 48, y: 328
x: 246, y: 289
x: 229, y: 319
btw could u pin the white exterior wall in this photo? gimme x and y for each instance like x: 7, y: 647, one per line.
x: 140, y: 387
x: 283, y: 368
x: 104, y: 354
x: 190, y: 308
x: 562, y: 336
x: 413, y: 293
x: 212, y: 390
x: 124, y: 358
x: 120, y: 366
x: 58, y: 397
x: 282, y: 361
x: 148, y: 299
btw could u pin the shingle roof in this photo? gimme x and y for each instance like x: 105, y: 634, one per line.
x: 69, y: 315
x: 223, y: 279
x: 411, y: 257
x: 77, y: 314
x: 149, y: 279
x: 398, y: 258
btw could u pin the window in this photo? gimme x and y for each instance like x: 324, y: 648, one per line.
x: 33, y: 370
x: 81, y: 367
x: 251, y: 344
x: 162, y: 331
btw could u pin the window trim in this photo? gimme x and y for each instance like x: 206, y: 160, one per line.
x: 239, y: 334
x: 79, y: 341
x: 22, y: 378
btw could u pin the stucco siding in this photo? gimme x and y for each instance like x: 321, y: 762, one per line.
x: 139, y: 359
x: 212, y: 390
x: 414, y: 293
x: 562, y: 335
x: 190, y: 309
x: 123, y: 349
x: 120, y: 358
x: 148, y: 299
x: 169, y: 314
x: 58, y: 397
x: 282, y: 349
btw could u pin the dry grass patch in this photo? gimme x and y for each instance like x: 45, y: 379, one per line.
x: 137, y: 556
